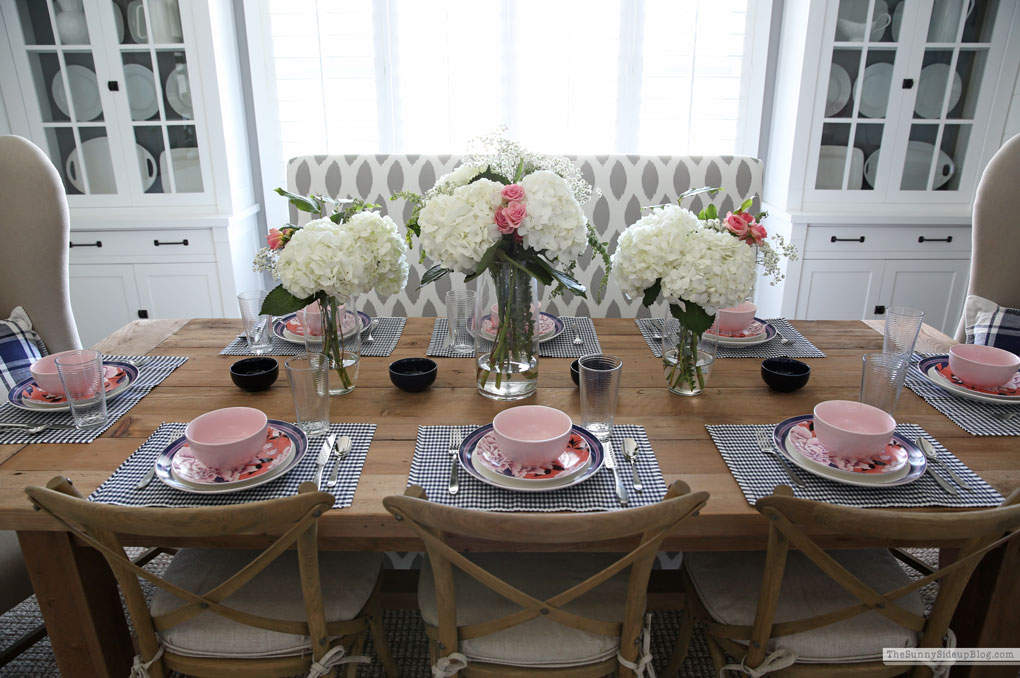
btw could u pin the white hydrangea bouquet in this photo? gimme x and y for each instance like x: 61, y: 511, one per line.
x: 698, y: 264
x: 347, y: 250
x: 518, y: 216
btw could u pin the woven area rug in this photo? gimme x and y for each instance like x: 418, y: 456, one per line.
x: 404, y: 631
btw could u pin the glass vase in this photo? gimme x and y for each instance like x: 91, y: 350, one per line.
x: 687, y: 356
x: 338, y: 336
x: 506, y: 340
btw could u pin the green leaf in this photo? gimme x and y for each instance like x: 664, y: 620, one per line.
x: 433, y: 274
x: 299, y: 201
x: 567, y: 281
x: 652, y: 293
x: 486, y: 261
x: 693, y: 317
x: 746, y: 204
x: 491, y: 176
x: 281, y: 302
x: 709, y: 212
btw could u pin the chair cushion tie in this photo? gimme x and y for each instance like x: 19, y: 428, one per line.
x: 449, y: 666
x: 780, y: 659
x: 942, y: 670
x: 332, y: 659
x: 140, y: 669
x: 643, y: 666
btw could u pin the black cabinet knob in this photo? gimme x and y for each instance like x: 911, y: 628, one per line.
x: 880, y: 310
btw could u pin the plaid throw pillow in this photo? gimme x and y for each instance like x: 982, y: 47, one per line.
x: 20, y: 346
x: 992, y: 325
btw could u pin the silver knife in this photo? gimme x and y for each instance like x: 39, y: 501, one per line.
x: 147, y: 478
x: 343, y: 448
x: 621, y: 491
x: 320, y: 463
x: 47, y: 427
x: 929, y: 451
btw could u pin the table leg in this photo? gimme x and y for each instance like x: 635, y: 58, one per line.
x: 989, y: 611
x: 79, y: 602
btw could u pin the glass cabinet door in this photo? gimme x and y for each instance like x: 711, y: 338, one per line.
x: 158, y: 86
x: 857, y: 97
x: 956, y: 50
x: 57, y: 39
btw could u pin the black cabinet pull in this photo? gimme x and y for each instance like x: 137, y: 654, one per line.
x: 946, y: 239
x: 835, y: 239
x: 908, y: 83
x: 181, y: 242
x: 98, y: 243
x: 880, y: 310
x: 113, y: 85
x: 142, y: 313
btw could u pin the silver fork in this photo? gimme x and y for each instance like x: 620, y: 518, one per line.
x: 371, y: 326
x: 456, y: 438
x: 767, y: 446
x: 577, y: 335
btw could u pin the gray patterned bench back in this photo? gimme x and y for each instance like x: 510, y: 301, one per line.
x: 628, y: 182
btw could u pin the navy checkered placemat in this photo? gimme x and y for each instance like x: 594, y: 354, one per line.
x: 385, y: 336
x: 799, y: 347
x: 430, y: 468
x: 758, y: 473
x: 561, y: 347
x: 151, y: 373
x: 975, y: 417
x: 119, y: 488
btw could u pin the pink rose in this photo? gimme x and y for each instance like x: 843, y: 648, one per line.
x: 746, y: 216
x: 502, y: 222
x: 513, y: 192
x: 275, y: 239
x: 515, y: 213
x: 736, y: 225
x: 757, y: 233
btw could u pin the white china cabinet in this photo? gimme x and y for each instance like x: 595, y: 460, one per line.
x: 885, y: 113
x: 138, y: 104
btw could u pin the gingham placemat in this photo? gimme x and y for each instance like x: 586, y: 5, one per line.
x: 758, y: 473
x: 119, y: 488
x: 152, y: 372
x: 561, y: 347
x: 974, y: 417
x: 430, y: 468
x: 799, y: 347
x: 385, y: 336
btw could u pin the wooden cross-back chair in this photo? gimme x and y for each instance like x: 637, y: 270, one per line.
x: 219, y: 612
x: 523, y: 614
x: 798, y: 610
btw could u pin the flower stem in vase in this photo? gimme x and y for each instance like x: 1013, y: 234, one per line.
x: 506, y: 347
x: 342, y: 348
x: 687, y: 357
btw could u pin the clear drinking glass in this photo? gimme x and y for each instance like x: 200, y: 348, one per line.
x: 882, y: 379
x: 81, y: 373
x: 257, y: 327
x: 902, y: 325
x: 460, y: 310
x: 308, y: 374
x: 600, y: 386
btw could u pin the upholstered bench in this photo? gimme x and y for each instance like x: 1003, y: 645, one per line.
x: 627, y: 182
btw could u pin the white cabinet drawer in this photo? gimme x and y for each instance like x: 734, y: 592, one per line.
x: 921, y: 241
x: 92, y: 245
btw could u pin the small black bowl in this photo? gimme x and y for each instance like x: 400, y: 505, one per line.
x: 785, y: 375
x: 413, y: 374
x: 255, y: 374
x: 575, y: 372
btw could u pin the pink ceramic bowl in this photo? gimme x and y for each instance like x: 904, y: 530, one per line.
x: 736, y: 318
x: 984, y: 366
x: 532, y: 435
x: 226, y: 438
x: 851, y: 429
x: 310, y: 317
x: 44, y: 371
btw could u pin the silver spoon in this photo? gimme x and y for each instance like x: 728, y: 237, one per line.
x: 371, y: 326
x: 1004, y: 416
x: 930, y: 452
x: 577, y: 336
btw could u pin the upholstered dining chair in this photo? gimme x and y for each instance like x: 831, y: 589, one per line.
x: 35, y: 232
x: 994, y: 245
x: 810, y: 612
x: 539, y: 614
x: 231, y: 612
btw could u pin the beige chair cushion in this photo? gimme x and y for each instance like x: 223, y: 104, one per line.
x: 347, y: 580
x: 729, y: 582
x: 539, y: 641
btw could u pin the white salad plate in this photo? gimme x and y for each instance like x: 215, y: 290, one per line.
x: 178, y: 92
x: 839, y: 90
x: 84, y: 88
x: 931, y: 90
x: 141, y: 89
x: 873, y: 90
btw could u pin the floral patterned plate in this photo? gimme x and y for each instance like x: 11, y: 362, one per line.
x: 900, y: 463
x: 28, y: 396
x: 749, y: 337
x: 288, y: 327
x: 285, y: 446
x: 580, y: 460
x: 549, y: 326
x: 936, y: 370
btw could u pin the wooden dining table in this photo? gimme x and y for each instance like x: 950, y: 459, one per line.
x: 77, y: 594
